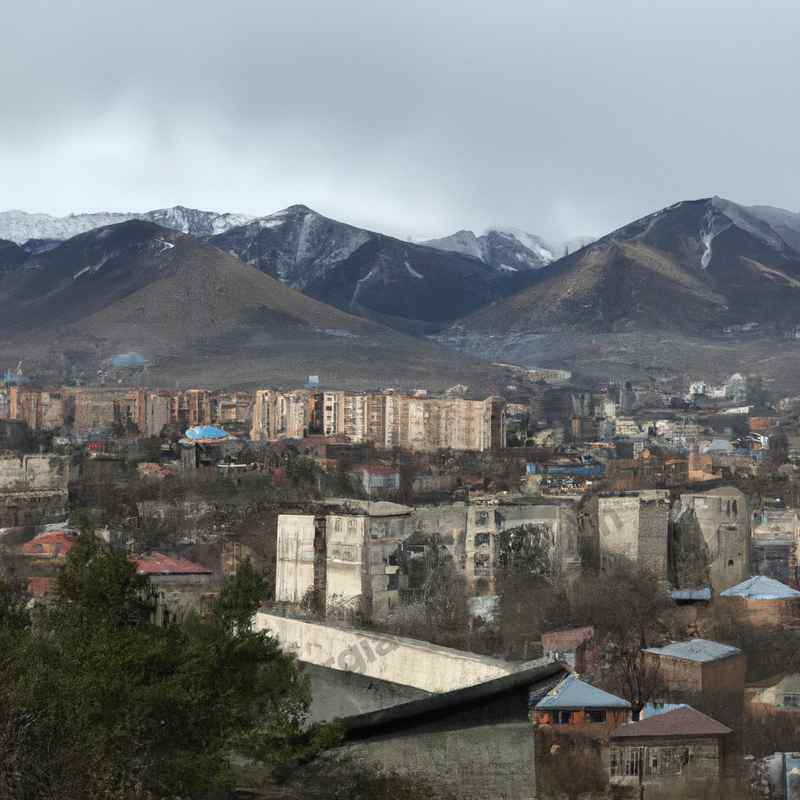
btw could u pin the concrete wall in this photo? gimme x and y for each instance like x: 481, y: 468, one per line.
x: 21, y: 509
x: 389, y: 658
x: 495, y: 761
x: 635, y: 529
x: 295, y: 557
x: 33, y: 473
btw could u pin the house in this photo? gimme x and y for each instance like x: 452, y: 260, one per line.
x: 780, y: 693
x: 764, y: 600
x: 180, y: 585
x: 49, y: 545
x: 378, y: 478
x: 704, y: 673
x: 678, y: 748
x: 574, y: 706
x: 573, y: 646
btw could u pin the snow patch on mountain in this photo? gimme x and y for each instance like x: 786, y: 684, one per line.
x: 498, y: 246
x: 21, y: 226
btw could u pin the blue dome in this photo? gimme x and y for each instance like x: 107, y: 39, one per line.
x: 206, y: 432
x: 122, y: 360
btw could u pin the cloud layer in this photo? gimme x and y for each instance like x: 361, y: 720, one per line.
x: 562, y: 117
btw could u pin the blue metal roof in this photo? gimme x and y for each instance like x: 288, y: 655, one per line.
x: 575, y: 693
x: 700, y: 650
x: 760, y: 587
x: 206, y: 432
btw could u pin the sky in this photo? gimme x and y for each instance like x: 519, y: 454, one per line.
x: 560, y: 117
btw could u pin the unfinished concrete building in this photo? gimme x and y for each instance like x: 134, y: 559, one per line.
x: 341, y: 560
x: 723, y: 515
x: 635, y: 529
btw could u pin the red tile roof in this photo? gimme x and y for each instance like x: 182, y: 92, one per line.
x: 685, y: 721
x: 160, y: 564
x: 51, y: 543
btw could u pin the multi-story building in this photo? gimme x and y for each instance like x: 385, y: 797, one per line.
x: 281, y: 415
x: 157, y: 414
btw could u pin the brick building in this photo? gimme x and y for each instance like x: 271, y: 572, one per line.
x: 574, y: 706
x: 764, y: 601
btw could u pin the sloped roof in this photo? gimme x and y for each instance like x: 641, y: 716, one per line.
x: 703, y: 593
x: 685, y: 721
x: 760, y: 587
x: 575, y: 693
x: 50, y: 542
x: 160, y: 564
x: 701, y: 650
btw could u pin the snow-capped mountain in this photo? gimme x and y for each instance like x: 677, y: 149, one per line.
x: 367, y: 272
x: 21, y: 226
x: 507, y: 249
x: 699, y: 266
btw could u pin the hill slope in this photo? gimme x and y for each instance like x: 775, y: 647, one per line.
x: 406, y: 285
x: 11, y: 256
x: 201, y: 315
x: 697, y: 266
x: 699, y: 287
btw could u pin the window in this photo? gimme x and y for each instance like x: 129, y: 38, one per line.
x: 482, y: 538
x: 564, y: 717
x: 625, y: 762
x: 791, y: 700
x: 597, y: 715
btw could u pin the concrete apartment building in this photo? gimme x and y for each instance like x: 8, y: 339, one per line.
x: 724, y: 518
x: 635, y: 529
x: 343, y: 557
x: 351, y: 556
x: 281, y: 415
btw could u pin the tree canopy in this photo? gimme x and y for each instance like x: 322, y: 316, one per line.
x: 96, y: 701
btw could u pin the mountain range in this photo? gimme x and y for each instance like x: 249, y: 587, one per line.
x: 200, y: 315
x: 702, y: 284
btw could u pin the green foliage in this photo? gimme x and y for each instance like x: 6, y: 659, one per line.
x: 98, y: 702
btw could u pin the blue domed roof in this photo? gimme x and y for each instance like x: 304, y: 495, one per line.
x: 206, y: 432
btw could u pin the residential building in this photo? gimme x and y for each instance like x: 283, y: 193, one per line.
x: 669, y: 754
x: 777, y: 694
x: 574, y: 706
x: 765, y: 601
x: 378, y: 478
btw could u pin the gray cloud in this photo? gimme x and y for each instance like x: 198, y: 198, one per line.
x: 562, y: 117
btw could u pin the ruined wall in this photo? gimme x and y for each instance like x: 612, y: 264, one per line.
x: 22, y: 509
x: 635, y: 529
x: 653, y: 536
x: 389, y: 658
x: 724, y: 518
x: 33, y: 472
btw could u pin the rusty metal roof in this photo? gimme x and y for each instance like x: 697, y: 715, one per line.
x: 685, y: 721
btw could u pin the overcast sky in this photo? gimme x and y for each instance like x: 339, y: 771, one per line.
x: 562, y: 117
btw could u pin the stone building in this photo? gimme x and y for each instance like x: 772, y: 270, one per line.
x: 676, y: 751
x: 776, y: 694
x: 724, y: 518
x: 635, y: 529
x: 180, y: 585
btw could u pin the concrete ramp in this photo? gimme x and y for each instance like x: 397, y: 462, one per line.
x: 408, y: 662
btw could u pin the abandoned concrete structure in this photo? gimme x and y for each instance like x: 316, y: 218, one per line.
x: 678, y: 748
x: 343, y: 557
x: 362, y: 555
x: 33, y: 472
x: 724, y: 518
x: 394, y: 659
x: 473, y: 743
x: 635, y: 529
